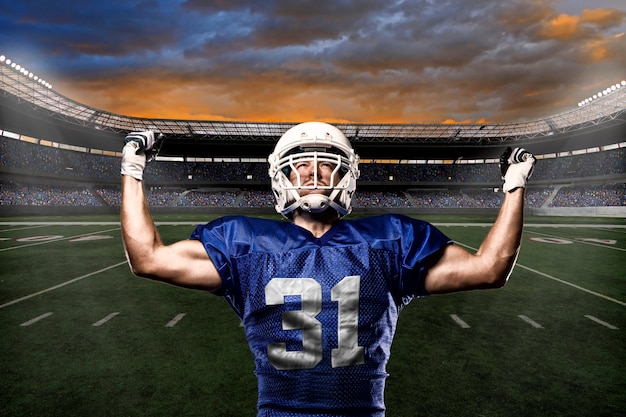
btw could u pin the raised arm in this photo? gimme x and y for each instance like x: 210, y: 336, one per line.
x: 490, y: 267
x: 184, y: 263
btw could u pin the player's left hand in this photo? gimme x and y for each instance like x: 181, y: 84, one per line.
x: 145, y: 140
x: 516, y: 166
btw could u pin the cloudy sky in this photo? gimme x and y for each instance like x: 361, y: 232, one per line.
x: 370, y: 61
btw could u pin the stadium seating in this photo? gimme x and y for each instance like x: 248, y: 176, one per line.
x: 32, y: 175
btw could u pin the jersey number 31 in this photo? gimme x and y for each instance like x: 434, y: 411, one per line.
x: 345, y: 293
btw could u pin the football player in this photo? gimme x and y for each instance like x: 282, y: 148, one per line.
x: 319, y: 295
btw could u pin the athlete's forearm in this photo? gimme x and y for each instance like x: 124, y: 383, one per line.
x: 500, y: 248
x: 139, y: 233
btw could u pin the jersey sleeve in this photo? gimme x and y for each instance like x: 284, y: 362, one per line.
x: 421, y: 243
x: 217, y: 237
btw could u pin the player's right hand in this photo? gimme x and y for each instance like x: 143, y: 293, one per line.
x: 139, y: 148
x: 133, y: 160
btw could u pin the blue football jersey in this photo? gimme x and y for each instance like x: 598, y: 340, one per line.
x: 320, y: 313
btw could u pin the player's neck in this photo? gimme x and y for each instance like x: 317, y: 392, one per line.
x: 318, y: 224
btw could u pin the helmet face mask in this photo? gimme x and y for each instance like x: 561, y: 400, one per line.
x: 315, y: 146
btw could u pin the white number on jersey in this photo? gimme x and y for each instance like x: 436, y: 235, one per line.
x: 345, y: 293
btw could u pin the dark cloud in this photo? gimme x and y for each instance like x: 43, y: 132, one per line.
x: 361, y: 61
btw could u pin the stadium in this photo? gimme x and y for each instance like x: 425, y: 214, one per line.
x: 83, y: 337
x: 205, y: 163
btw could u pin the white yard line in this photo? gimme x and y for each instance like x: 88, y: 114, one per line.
x: 542, y: 225
x: 578, y: 287
x: 175, y: 320
x: 530, y: 321
x: 22, y: 228
x: 604, y: 323
x: 35, y: 320
x: 62, y: 284
x: 57, y: 240
x: 562, y: 281
x: 104, y: 320
x: 182, y: 223
x: 59, y: 223
x: 459, y: 321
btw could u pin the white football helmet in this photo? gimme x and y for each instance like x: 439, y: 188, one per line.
x: 313, y: 142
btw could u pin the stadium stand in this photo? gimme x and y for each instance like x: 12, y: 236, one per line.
x: 58, y: 153
x: 96, y: 179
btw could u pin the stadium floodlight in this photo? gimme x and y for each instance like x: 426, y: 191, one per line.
x: 22, y: 70
x: 609, y: 90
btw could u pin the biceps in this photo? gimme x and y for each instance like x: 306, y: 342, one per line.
x: 187, y: 264
x: 456, y: 270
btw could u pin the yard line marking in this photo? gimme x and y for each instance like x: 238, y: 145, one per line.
x: 36, y: 319
x: 610, y: 230
x: 578, y: 287
x: 459, y: 321
x: 604, y: 323
x: 543, y: 274
x: 530, y: 321
x: 59, y: 223
x: 104, y: 320
x: 578, y: 240
x: 175, y: 320
x: 61, y: 285
x: 541, y: 225
x: 57, y: 240
x: 22, y: 228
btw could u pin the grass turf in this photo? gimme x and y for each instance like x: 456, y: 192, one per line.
x: 133, y: 365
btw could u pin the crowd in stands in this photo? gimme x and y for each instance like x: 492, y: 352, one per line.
x: 257, y: 199
x: 208, y: 199
x: 537, y: 197
x: 101, y: 172
x: 12, y: 194
x: 73, y: 164
x: 591, y: 196
x: 54, y: 195
x: 112, y: 196
x: 388, y: 199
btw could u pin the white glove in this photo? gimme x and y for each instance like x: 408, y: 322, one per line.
x: 516, y: 166
x: 144, y: 139
x: 139, y: 148
x: 133, y: 160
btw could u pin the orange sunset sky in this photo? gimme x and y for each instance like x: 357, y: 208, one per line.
x: 336, y: 61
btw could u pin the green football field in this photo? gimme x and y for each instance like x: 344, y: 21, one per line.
x: 81, y: 336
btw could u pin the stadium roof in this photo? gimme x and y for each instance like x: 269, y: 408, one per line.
x: 606, y: 108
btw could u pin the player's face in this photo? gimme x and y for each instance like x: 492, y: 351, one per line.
x: 307, y: 172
